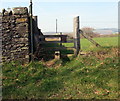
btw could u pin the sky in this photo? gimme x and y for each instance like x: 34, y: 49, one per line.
x: 92, y: 14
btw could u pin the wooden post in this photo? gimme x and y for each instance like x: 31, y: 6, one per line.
x: 35, y: 21
x: 60, y: 45
x: 35, y: 25
x: 76, y: 35
x: 90, y: 39
x: 36, y: 32
x: 61, y: 39
x: 119, y: 29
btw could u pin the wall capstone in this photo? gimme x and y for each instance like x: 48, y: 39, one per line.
x: 20, y: 10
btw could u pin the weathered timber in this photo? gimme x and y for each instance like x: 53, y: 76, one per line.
x: 59, y: 48
x: 76, y: 35
x: 36, y: 32
x: 90, y: 39
x: 46, y: 42
x: 55, y: 36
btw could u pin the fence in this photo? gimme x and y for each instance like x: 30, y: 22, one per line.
x: 64, y: 39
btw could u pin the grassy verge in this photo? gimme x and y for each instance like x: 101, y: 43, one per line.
x: 91, y: 76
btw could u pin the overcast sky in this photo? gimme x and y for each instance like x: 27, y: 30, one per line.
x: 92, y: 14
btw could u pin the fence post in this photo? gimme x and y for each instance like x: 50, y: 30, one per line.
x: 35, y: 25
x: 60, y: 45
x: 35, y: 18
x: 76, y: 35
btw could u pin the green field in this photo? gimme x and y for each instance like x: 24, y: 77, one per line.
x: 90, y: 76
x: 105, y: 42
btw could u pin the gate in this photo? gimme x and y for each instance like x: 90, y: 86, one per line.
x: 64, y: 39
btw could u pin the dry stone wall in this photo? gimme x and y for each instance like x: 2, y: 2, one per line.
x: 15, y: 34
x: 0, y: 39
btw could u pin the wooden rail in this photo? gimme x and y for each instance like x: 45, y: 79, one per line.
x: 90, y: 39
x: 60, y: 48
x: 55, y: 36
x: 46, y: 42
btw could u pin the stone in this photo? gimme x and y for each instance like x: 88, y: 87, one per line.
x: 24, y: 16
x: 0, y: 14
x: 12, y: 18
x: 8, y: 31
x: 6, y: 13
x: 20, y: 20
x: 17, y: 16
x: 3, y: 11
x: 15, y: 33
x: 27, y: 56
x: 10, y: 12
x: 23, y: 39
x: 24, y: 48
x: 20, y: 10
x: 25, y: 35
x: 23, y: 25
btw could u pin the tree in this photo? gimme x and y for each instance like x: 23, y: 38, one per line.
x: 88, y: 31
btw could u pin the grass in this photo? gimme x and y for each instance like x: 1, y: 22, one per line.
x: 91, y: 76
x: 105, y: 42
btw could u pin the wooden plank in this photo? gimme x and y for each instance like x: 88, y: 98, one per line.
x: 60, y: 48
x: 51, y: 36
x: 90, y: 39
x: 70, y: 41
x: 46, y: 42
